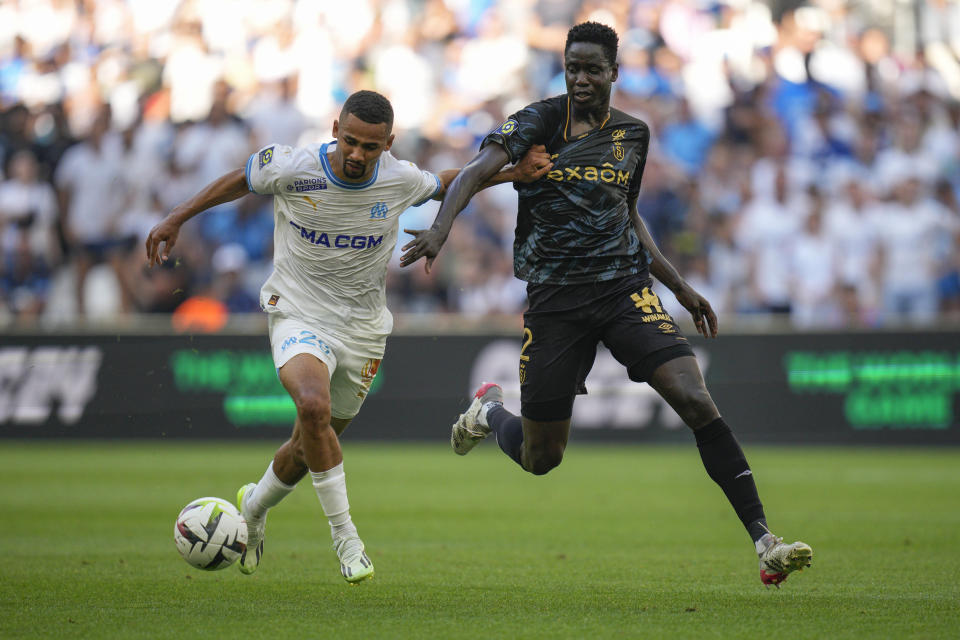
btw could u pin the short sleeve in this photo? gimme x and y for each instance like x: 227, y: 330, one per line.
x: 267, y: 168
x: 527, y: 127
x: 426, y: 185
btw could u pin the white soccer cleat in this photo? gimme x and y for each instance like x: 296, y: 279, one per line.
x: 467, y: 431
x: 779, y: 560
x: 354, y: 563
x: 250, y: 560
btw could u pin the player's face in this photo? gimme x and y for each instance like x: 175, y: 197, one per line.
x: 359, y: 145
x: 589, y: 75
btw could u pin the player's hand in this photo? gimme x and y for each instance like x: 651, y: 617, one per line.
x: 533, y: 165
x: 426, y: 243
x: 703, y: 316
x: 165, y: 232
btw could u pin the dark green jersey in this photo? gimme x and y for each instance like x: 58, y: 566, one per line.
x: 573, y: 225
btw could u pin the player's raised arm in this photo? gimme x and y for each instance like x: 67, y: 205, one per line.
x: 227, y: 187
x: 699, y: 307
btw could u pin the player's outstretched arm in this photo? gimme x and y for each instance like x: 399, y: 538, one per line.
x: 227, y: 187
x: 426, y: 243
x: 703, y: 316
x: 532, y: 166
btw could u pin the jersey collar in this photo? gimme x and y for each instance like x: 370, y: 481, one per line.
x: 325, y: 164
x: 566, y: 126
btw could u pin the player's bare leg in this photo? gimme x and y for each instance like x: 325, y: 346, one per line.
x: 307, y: 380
x: 314, y: 447
x: 681, y: 384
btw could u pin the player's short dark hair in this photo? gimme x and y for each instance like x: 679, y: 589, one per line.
x: 370, y: 107
x: 596, y: 33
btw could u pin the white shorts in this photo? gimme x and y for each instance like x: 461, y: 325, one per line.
x: 352, y: 364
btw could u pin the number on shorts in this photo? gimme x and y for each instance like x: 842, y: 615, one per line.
x: 527, y: 339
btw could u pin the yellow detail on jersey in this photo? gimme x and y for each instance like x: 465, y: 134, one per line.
x: 618, y: 134
x: 604, y: 173
x: 312, y: 202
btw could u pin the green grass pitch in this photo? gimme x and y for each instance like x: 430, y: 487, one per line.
x: 624, y: 542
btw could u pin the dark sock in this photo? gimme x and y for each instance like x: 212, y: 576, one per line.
x: 509, y: 430
x: 727, y: 466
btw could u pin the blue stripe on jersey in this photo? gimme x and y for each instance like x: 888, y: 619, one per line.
x: 246, y: 172
x: 435, y: 191
x: 340, y: 183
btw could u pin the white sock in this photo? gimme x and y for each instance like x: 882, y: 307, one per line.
x: 331, y: 487
x: 482, y: 416
x: 765, y: 542
x: 268, y: 493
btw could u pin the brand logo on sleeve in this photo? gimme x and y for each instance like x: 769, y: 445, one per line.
x: 264, y: 157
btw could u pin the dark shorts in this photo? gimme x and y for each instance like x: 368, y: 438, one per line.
x: 565, y: 323
x: 100, y: 251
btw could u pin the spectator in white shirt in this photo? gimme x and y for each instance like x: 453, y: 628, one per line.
x: 93, y: 196
x: 910, y: 260
x: 28, y: 207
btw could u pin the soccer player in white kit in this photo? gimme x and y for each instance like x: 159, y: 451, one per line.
x: 336, y: 207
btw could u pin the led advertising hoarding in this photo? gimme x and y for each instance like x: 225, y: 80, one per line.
x: 882, y: 388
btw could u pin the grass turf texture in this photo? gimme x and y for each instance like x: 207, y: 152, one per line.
x: 617, y: 542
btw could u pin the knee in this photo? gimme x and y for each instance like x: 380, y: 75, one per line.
x: 698, y: 408
x: 541, y: 460
x: 313, y: 410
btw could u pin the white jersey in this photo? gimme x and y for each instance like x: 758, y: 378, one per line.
x: 333, y: 239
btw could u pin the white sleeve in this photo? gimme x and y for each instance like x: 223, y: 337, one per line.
x: 267, y: 168
x: 425, y: 185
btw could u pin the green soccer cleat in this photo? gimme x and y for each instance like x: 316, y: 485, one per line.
x: 467, y: 431
x: 354, y: 563
x: 250, y: 560
x: 779, y: 560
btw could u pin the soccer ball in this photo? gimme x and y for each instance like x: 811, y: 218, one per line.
x: 210, y: 534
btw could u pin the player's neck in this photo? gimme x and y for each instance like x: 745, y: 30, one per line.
x: 582, y: 121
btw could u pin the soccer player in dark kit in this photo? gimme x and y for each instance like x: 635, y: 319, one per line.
x: 587, y: 258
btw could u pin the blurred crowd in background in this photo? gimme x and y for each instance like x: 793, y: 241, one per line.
x: 804, y: 162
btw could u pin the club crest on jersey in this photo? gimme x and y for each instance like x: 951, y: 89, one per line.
x: 617, y: 136
x: 506, y: 128
x: 264, y: 157
x: 379, y: 211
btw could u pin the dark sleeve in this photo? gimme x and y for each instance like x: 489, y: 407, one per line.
x: 527, y: 127
x: 643, y: 145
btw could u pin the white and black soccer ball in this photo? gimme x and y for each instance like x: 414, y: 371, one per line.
x: 210, y: 534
